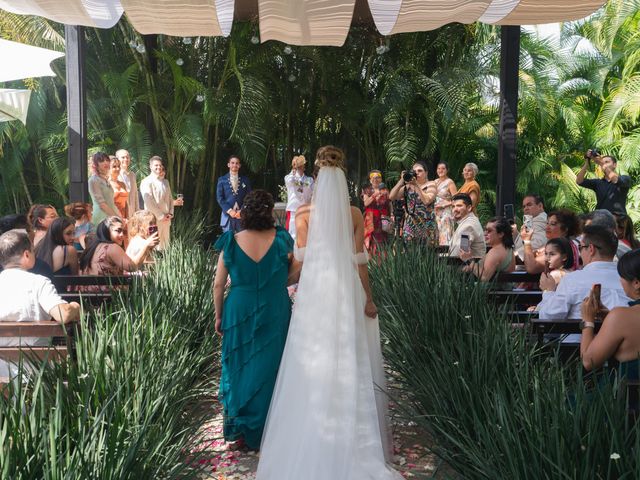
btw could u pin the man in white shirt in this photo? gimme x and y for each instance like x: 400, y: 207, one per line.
x: 157, y: 197
x: 127, y: 177
x: 299, y: 191
x: 469, y: 226
x: 533, y: 206
x: 597, y: 249
x: 26, y: 296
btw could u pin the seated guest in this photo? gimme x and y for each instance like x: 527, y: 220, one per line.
x: 81, y: 213
x: 500, y: 258
x: 619, y: 336
x: 142, y: 225
x: 20, y: 222
x: 561, y: 223
x: 467, y: 224
x: 26, y: 296
x: 40, y: 217
x: 606, y: 219
x: 106, y: 255
x: 56, y: 248
x: 597, y: 249
x: 625, y: 231
x: 532, y: 206
x: 559, y: 257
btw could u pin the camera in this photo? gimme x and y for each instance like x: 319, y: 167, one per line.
x: 408, y: 176
x: 594, y: 153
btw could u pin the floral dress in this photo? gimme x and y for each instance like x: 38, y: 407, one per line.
x: 420, y: 220
x: 444, y: 216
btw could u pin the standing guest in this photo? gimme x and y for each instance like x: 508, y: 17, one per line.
x: 120, y: 193
x: 299, y: 191
x: 445, y: 189
x: 27, y: 297
x: 56, y: 248
x: 377, y: 208
x: 156, y: 193
x: 20, y: 222
x: 253, y: 319
x: 420, y: 195
x: 129, y: 179
x: 468, y: 225
x: 625, y: 232
x: 142, y: 225
x: 561, y: 223
x: 500, y: 258
x: 470, y: 186
x: 40, y: 217
x: 533, y: 207
x: 619, y: 336
x: 230, y: 193
x: 177, y: 202
x: 100, y: 188
x: 612, y: 189
x: 81, y: 213
x: 106, y: 256
x: 564, y: 300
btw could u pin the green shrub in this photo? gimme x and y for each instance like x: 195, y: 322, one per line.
x: 496, y: 406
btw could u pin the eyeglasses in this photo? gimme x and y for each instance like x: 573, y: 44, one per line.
x: 581, y: 246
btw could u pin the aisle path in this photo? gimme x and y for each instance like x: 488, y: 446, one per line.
x: 412, y: 458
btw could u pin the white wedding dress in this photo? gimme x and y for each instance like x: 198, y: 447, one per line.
x: 323, y: 422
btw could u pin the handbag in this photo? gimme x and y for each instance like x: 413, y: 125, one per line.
x: 386, y: 224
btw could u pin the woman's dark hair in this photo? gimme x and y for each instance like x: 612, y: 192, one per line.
x: 257, y: 211
x: 96, y: 158
x: 564, y: 247
x: 442, y: 162
x: 14, y: 221
x: 37, y: 213
x: 77, y: 210
x: 567, y: 220
x: 103, y: 235
x: 503, y: 226
x: 625, y: 224
x: 52, y: 239
x: 629, y: 266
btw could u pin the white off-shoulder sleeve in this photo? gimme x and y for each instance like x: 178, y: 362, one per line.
x: 361, y: 258
x: 298, y: 253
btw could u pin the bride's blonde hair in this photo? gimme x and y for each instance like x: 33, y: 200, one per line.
x: 329, y: 156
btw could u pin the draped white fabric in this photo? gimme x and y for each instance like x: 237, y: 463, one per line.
x: 19, y: 61
x: 14, y: 104
x: 91, y: 13
x: 531, y: 12
x: 306, y: 22
x: 498, y: 10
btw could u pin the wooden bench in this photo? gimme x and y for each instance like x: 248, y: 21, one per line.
x: 516, y: 297
x: 60, y: 348
x: 62, y: 282
x: 541, y: 327
x: 518, y: 277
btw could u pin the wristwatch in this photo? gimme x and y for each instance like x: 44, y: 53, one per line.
x: 584, y: 325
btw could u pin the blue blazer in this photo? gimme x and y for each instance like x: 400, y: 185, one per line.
x: 227, y: 199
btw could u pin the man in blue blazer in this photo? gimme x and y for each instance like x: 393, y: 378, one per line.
x: 230, y: 193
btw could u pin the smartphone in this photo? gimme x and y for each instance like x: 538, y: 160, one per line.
x: 527, y: 221
x: 597, y: 290
x: 509, y: 212
x: 152, y: 229
x: 464, y: 243
x: 546, y: 268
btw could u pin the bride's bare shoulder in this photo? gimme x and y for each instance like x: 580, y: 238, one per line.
x: 356, y: 215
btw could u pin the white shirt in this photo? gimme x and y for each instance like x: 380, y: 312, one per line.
x: 538, y: 238
x: 299, y: 190
x: 566, y: 301
x: 157, y: 196
x: 25, y: 297
x: 469, y: 225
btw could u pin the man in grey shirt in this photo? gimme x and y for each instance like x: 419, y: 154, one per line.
x: 532, y: 205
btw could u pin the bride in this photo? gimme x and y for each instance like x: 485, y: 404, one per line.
x: 327, y: 418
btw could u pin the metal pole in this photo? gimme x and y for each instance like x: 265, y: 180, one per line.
x: 76, y: 113
x: 507, y: 135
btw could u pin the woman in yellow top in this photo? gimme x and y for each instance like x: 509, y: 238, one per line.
x: 470, y: 186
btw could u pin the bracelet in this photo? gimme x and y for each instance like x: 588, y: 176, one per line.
x: 527, y: 242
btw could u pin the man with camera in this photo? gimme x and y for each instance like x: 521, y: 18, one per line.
x: 611, y: 191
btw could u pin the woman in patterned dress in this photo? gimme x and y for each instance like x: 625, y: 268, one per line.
x: 420, y: 195
x: 446, y: 189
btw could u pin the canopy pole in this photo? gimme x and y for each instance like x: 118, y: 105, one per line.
x: 507, y: 135
x: 76, y: 113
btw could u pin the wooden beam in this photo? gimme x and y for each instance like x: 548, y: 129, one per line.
x: 76, y: 113
x: 507, y: 135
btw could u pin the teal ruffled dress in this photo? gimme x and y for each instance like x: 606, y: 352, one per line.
x: 255, y: 322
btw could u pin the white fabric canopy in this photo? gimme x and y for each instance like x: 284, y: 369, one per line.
x: 300, y: 22
x: 14, y: 104
x: 19, y: 61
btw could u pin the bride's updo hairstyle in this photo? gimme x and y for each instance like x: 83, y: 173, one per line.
x: 257, y: 211
x: 329, y: 156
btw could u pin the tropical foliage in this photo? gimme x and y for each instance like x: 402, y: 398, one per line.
x: 386, y: 101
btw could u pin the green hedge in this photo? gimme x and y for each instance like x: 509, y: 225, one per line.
x: 125, y: 409
x: 496, y: 406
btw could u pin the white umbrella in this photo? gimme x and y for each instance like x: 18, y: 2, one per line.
x: 19, y: 61
x: 14, y: 104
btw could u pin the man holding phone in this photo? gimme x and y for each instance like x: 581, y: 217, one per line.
x: 611, y: 190
x: 469, y: 234
x: 535, y: 220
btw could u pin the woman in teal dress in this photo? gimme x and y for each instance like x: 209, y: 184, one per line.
x: 100, y: 189
x: 253, y: 320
